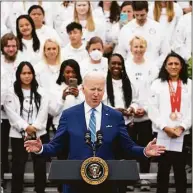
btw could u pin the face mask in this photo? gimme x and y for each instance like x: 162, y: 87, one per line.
x: 96, y: 55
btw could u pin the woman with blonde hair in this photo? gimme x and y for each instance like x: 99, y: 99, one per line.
x: 141, y: 72
x: 91, y: 25
x: 48, y: 68
x: 167, y: 13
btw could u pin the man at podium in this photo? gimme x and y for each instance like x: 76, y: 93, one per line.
x: 92, y: 115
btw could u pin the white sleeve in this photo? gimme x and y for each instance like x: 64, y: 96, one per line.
x: 63, y: 34
x: 56, y: 103
x: 153, y: 106
x: 14, y: 117
x: 135, y: 95
x: 179, y: 39
x: 164, y: 50
x: 187, y: 119
x: 121, y: 43
x: 42, y: 116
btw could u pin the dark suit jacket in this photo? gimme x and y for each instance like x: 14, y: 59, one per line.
x: 72, y: 126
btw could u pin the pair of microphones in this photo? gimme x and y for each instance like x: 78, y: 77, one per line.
x: 99, y: 138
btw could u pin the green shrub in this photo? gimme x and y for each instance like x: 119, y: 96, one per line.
x: 190, y: 68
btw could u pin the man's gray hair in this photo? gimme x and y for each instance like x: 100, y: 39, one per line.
x: 94, y: 75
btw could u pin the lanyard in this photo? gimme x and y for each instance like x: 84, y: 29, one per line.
x: 175, y: 97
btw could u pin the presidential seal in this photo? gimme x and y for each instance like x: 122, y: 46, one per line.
x: 94, y: 170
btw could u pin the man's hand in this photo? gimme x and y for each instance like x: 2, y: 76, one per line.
x: 33, y: 145
x: 154, y: 150
x: 30, y: 129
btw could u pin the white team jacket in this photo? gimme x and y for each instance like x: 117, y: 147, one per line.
x: 12, y: 108
x: 159, y: 108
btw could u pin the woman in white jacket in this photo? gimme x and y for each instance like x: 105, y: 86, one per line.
x: 169, y: 109
x: 65, y: 94
x: 29, y: 43
x: 67, y: 90
x: 27, y: 110
x: 91, y: 26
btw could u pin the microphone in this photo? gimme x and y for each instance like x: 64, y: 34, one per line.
x: 99, y: 137
x: 87, y: 137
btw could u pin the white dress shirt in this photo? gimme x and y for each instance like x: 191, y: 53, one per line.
x: 98, y: 115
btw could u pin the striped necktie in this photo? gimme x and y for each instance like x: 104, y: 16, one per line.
x: 92, y: 125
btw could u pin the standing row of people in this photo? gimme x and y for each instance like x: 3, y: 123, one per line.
x: 137, y: 38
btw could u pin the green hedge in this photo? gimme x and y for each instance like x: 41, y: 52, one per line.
x: 190, y: 68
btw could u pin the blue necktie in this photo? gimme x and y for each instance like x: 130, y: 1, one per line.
x: 92, y: 125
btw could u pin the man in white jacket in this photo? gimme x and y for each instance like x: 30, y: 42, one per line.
x: 157, y: 45
x: 9, y: 62
x: 76, y: 49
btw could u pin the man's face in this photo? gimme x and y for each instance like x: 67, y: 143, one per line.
x: 173, y: 67
x: 141, y: 17
x: 75, y: 36
x: 93, y: 90
x: 10, y: 50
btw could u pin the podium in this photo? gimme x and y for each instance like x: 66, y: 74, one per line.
x: 121, y: 173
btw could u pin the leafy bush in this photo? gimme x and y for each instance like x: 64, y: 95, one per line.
x: 190, y: 68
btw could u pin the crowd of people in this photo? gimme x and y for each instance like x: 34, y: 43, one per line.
x: 142, y: 48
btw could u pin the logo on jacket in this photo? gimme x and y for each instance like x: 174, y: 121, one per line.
x: 94, y: 170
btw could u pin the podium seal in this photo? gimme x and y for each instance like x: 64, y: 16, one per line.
x: 94, y: 170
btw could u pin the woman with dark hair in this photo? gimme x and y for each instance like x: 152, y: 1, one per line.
x: 110, y: 13
x: 126, y: 12
x: 65, y: 94
x: 29, y: 43
x: 120, y: 93
x: 44, y: 31
x: 170, y: 112
x: 27, y: 108
x: 67, y: 90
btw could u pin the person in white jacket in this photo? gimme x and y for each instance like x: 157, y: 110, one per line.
x: 9, y: 63
x: 76, y: 49
x: 47, y: 70
x: 30, y: 45
x: 27, y: 108
x: 167, y: 13
x: 141, y: 72
x: 109, y: 13
x: 169, y: 109
x: 91, y: 25
x: 44, y: 31
x: 95, y: 61
x: 67, y: 92
x: 119, y: 90
x: 157, y: 44
x: 181, y: 41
